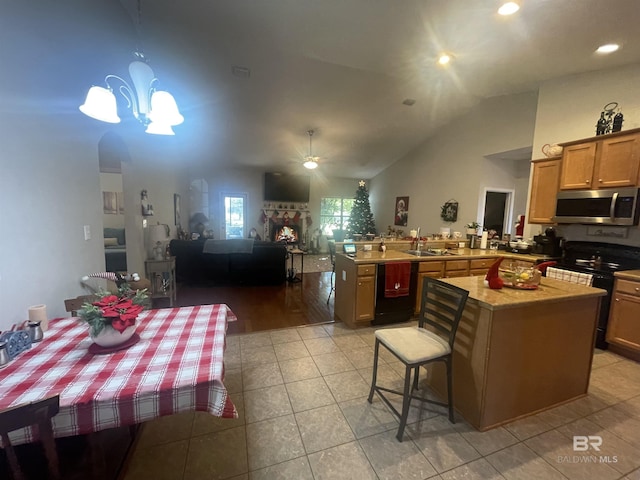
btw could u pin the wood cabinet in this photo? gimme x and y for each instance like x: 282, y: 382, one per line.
x: 366, y: 292
x: 480, y: 266
x: 545, y: 180
x: 623, y: 330
x: 601, y: 162
x: 456, y: 268
x: 433, y: 269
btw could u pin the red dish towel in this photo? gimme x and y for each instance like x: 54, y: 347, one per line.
x: 396, y: 279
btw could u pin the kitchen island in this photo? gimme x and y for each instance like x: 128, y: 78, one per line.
x: 518, y: 352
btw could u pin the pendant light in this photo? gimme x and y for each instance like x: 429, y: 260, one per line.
x: 311, y: 162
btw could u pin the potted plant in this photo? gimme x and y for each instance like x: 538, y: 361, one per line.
x: 472, y: 228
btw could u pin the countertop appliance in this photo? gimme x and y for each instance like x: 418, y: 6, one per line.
x: 609, y: 206
x: 602, y: 260
x: 547, y: 245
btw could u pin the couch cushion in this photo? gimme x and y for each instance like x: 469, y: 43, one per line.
x: 110, y: 242
x: 115, y: 233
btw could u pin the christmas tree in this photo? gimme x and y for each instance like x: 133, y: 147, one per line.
x: 361, y: 219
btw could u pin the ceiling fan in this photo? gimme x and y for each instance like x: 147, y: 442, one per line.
x: 310, y: 162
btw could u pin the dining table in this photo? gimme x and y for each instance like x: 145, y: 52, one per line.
x: 176, y: 366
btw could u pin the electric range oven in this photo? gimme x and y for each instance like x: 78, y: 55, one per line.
x: 601, y: 260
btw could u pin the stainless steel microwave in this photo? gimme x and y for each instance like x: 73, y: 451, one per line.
x: 611, y: 206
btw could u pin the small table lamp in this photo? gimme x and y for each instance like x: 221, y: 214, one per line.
x: 158, y: 235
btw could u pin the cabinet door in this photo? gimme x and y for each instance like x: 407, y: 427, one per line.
x: 421, y: 275
x: 578, y: 162
x: 544, y: 188
x: 618, y: 162
x: 365, y: 298
x: 624, y: 322
x: 456, y: 268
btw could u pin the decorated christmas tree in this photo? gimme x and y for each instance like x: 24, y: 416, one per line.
x: 361, y: 220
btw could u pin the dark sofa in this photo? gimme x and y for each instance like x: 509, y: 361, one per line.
x: 266, y: 265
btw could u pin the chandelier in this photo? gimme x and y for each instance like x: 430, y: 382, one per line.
x: 155, y: 109
x: 311, y: 162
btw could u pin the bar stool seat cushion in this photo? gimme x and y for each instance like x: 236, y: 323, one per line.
x: 413, y: 344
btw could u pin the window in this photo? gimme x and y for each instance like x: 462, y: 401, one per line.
x: 234, y: 215
x: 334, y: 214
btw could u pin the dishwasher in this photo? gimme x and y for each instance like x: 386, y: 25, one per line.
x: 398, y: 309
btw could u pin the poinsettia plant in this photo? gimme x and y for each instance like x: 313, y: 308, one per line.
x: 117, y: 311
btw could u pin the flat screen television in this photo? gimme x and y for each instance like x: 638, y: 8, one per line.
x: 285, y: 187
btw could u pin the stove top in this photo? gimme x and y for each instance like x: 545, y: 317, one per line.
x: 600, y: 257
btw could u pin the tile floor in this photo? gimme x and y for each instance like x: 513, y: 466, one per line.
x: 303, y: 414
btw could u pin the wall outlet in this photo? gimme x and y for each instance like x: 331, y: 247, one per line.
x: 87, y: 232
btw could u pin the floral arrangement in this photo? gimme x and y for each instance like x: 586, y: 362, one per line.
x: 114, y: 311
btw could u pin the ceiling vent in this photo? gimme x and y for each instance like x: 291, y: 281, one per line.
x: 409, y: 102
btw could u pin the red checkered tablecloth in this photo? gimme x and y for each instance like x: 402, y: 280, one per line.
x: 177, y: 366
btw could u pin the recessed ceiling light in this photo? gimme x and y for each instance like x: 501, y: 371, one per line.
x: 508, y: 8
x: 444, y: 59
x: 608, y: 48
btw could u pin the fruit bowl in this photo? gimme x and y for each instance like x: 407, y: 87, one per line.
x: 523, y: 277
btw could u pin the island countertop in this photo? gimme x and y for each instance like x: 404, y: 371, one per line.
x: 550, y: 290
x: 375, y: 256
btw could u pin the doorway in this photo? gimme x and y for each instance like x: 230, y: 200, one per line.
x: 497, y: 211
x: 233, y: 225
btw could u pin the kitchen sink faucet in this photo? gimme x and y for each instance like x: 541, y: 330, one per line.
x: 418, y: 239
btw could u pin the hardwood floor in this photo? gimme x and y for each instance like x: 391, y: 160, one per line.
x: 269, y: 307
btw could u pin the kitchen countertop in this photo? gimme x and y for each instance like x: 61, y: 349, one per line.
x: 375, y: 256
x: 549, y: 290
x: 633, y: 275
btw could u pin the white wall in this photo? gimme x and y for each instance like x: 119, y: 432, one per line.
x: 452, y: 165
x: 568, y: 109
x: 112, y: 182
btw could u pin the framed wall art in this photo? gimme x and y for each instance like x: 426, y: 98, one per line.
x: 402, y: 211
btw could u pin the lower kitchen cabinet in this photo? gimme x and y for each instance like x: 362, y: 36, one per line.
x: 433, y: 269
x: 623, y: 330
x: 365, y: 293
x: 456, y: 268
x: 480, y: 266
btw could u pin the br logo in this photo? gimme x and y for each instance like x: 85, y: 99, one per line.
x: 582, y: 443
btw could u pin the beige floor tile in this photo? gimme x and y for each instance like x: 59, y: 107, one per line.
x: 368, y: 336
x: 631, y: 406
x: 232, y: 360
x: 443, y: 446
x: 335, y: 362
x: 347, y: 385
x: 160, y: 462
x: 617, y: 380
x: 258, y: 356
x: 486, y: 442
x: 299, y: 369
x: 528, y: 427
x: 477, y: 470
x: 635, y: 475
x: 204, y: 422
x: 344, y: 462
x: 312, y: 331
x: 558, y: 451
x: 169, y: 428
x: 387, y: 376
x: 361, y: 357
x: 217, y: 455
x: 261, y: 375
x: 309, y: 394
x: 338, y: 328
x: 323, y: 427
x: 383, y: 451
x: 291, y: 350
x: 616, y: 420
x: 519, y: 462
x: 254, y: 340
x: 366, y: 418
x: 273, y: 441
x: 560, y: 415
x: 318, y: 346
x: 285, y: 335
x: 296, y: 469
x: 233, y: 380
x: 265, y: 403
x: 346, y: 343
x: 602, y: 358
x: 586, y: 405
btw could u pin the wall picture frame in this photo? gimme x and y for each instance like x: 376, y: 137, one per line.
x: 402, y: 211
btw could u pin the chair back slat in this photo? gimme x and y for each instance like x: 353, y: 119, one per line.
x: 32, y: 414
x: 442, y: 307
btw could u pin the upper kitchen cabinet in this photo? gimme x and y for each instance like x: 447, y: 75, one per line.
x: 607, y: 161
x: 544, y: 188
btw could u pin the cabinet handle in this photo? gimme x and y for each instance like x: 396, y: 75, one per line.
x: 600, y: 180
x: 637, y: 289
x: 617, y: 299
x: 588, y: 181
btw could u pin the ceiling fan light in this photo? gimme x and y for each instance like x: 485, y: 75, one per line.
x: 311, y: 163
x: 101, y: 105
x: 508, y: 8
x: 164, y: 109
x: 159, y: 128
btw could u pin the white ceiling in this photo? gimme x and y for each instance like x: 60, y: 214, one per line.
x: 344, y: 67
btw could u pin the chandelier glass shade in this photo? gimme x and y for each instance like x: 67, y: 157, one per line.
x: 156, y: 109
x: 311, y: 162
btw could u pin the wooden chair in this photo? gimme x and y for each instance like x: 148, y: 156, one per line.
x: 74, y: 304
x: 332, y: 256
x: 32, y: 414
x: 442, y: 307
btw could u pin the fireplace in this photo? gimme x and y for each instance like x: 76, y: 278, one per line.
x: 285, y: 233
